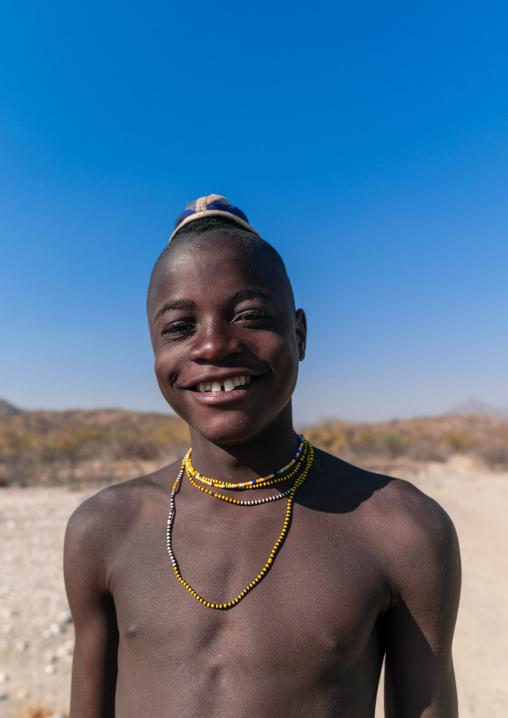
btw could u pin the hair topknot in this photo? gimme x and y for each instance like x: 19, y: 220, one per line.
x: 203, y: 225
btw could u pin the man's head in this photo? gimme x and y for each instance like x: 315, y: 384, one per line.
x: 226, y: 337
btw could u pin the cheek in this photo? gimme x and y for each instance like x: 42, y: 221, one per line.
x: 164, y: 372
x: 282, y: 357
x: 159, y: 364
x: 164, y: 366
x: 281, y: 352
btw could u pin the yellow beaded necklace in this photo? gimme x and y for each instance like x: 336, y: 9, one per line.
x: 263, y: 481
x: 224, y: 606
x: 259, y: 484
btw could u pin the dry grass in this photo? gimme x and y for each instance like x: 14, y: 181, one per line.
x: 424, y: 439
x: 74, y: 448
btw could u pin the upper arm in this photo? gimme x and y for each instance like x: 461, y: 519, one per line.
x: 93, y: 611
x: 419, y: 677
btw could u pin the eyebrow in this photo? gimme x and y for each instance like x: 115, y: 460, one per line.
x: 239, y: 295
x: 175, y: 304
x: 249, y: 293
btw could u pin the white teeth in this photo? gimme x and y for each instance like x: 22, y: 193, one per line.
x: 228, y: 384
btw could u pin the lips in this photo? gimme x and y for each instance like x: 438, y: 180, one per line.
x: 223, y: 385
x: 217, y: 390
x: 223, y: 381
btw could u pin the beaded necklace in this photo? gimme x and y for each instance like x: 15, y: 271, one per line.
x: 238, y: 502
x: 190, y: 474
x: 263, y: 481
x: 172, y: 510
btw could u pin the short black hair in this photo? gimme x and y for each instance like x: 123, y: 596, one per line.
x: 230, y: 229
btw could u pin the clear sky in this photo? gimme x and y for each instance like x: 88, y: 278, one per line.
x: 367, y: 141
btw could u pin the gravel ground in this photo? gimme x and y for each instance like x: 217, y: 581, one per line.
x: 36, y: 633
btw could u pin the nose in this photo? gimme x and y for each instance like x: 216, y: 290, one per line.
x: 214, y: 344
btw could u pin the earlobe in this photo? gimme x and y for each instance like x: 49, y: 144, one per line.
x: 301, y: 332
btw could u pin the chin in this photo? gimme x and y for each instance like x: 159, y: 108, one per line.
x: 232, y: 429
x: 236, y: 424
x: 237, y: 428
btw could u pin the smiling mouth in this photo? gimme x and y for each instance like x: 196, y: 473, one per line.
x: 226, y: 385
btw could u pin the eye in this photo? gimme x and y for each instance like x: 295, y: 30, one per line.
x: 253, y: 316
x: 178, y: 329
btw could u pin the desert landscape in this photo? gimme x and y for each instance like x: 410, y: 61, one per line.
x: 51, y: 461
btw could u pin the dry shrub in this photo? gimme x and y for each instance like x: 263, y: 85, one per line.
x: 421, y: 439
x: 494, y: 455
x: 460, y: 441
x: 44, y: 447
x: 36, y: 713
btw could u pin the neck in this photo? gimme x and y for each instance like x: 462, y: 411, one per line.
x: 258, y: 456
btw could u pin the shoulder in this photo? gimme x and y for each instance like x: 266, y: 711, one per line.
x: 111, y: 505
x: 98, y: 529
x: 104, y: 518
x: 411, y: 518
x: 415, y: 539
x: 410, y: 534
x: 389, y: 506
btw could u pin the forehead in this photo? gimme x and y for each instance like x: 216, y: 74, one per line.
x: 207, y: 271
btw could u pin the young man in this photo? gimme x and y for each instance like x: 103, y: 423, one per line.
x: 197, y: 593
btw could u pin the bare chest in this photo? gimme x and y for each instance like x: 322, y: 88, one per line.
x: 319, y: 602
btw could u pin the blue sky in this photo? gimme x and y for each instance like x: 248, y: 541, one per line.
x: 367, y: 141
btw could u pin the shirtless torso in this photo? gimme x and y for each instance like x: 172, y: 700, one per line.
x: 357, y: 577
x: 370, y: 566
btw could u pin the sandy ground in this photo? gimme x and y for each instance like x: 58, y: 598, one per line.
x: 36, y: 634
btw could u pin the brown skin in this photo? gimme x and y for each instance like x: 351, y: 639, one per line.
x: 370, y: 565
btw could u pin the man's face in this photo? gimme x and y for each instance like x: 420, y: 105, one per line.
x: 226, y: 340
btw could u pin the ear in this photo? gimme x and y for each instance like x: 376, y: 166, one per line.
x: 301, y: 332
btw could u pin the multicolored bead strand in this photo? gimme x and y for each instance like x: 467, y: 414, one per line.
x: 256, y: 502
x: 224, y: 606
x: 239, y: 502
x: 263, y: 481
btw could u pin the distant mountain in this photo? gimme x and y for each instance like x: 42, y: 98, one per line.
x: 6, y: 408
x: 472, y: 406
